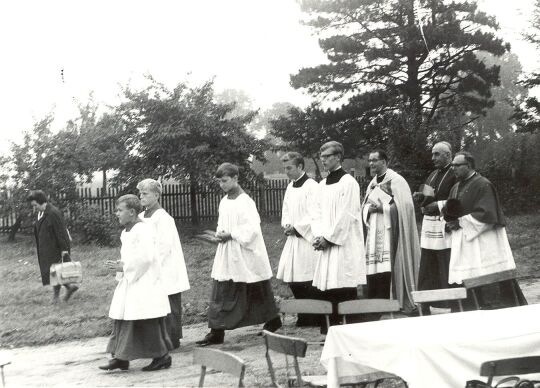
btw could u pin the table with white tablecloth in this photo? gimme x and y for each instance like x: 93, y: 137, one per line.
x: 434, y: 351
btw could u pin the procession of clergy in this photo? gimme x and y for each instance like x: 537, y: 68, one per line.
x: 335, y: 242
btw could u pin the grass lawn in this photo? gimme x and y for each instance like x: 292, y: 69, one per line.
x: 28, y: 318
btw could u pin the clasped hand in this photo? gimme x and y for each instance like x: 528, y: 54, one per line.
x: 320, y: 243
x: 289, y: 230
x: 114, y: 265
x: 223, y: 236
x: 430, y: 210
x: 451, y: 226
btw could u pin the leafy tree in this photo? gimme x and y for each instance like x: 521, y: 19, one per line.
x: 183, y: 134
x: 394, y: 74
x: 527, y: 113
x: 45, y: 161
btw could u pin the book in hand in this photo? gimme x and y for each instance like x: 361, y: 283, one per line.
x: 427, y: 190
x: 208, y: 236
x: 378, y: 195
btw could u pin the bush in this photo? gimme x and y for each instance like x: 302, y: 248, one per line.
x: 91, y: 226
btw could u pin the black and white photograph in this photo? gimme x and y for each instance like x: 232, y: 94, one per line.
x: 270, y: 193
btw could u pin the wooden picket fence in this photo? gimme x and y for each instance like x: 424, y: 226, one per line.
x: 175, y: 199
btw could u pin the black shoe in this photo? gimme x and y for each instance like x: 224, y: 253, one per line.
x: 115, y: 364
x: 272, y: 325
x: 211, y: 339
x: 158, y: 363
x: 70, y: 290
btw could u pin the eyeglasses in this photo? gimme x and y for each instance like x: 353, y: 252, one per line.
x: 459, y: 164
x: 326, y: 156
x: 373, y: 160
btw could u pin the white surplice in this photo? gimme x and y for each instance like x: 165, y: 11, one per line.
x: 478, y: 249
x: 338, y: 219
x: 297, y: 262
x: 168, y: 250
x: 139, y: 293
x: 242, y: 258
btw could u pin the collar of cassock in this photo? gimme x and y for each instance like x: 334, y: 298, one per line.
x: 335, y: 176
x: 300, y: 181
x: 445, y: 168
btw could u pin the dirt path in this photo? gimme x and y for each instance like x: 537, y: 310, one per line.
x: 75, y: 363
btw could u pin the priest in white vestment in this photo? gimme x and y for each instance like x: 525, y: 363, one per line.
x: 479, y: 241
x: 242, y: 293
x: 168, y: 251
x: 392, y: 246
x: 297, y: 261
x: 140, y: 304
x: 337, y: 226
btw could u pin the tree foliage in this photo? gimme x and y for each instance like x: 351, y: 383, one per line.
x: 46, y: 161
x: 398, y: 79
x: 527, y: 113
x: 183, y: 134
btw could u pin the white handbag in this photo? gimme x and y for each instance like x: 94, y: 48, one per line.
x: 66, y: 273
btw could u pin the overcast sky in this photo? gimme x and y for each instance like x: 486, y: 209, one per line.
x: 253, y: 45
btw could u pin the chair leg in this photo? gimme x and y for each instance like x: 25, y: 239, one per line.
x: 241, y: 379
x: 2, y: 372
x: 419, y: 306
x: 203, y: 372
x: 460, y: 304
x: 514, y: 291
x: 270, y: 368
x: 475, y: 298
x: 299, y: 380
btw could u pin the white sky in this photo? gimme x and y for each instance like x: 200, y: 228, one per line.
x: 252, y: 45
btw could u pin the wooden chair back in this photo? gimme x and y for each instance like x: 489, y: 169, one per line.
x: 510, y: 366
x: 366, y: 306
x: 306, y: 306
x: 221, y: 361
x: 439, y: 295
x: 484, y: 280
x: 289, y: 346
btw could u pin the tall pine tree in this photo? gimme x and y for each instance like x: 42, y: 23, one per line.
x: 397, y: 66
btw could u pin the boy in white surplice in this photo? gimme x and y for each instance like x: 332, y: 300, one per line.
x: 241, y: 294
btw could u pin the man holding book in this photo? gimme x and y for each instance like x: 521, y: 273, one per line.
x: 392, y: 249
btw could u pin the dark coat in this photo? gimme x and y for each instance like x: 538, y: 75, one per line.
x: 51, y: 239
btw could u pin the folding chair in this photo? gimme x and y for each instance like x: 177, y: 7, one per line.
x: 367, y: 306
x: 221, y: 361
x: 295, y: 347
x: 484, y: 280
x: 305, y: 306
x: 439, y: 295
x: 5, y: 359
x: 510, y: 366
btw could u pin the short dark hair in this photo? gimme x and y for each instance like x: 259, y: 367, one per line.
x: 468, y: 158
x: 336, y: 147
x: 381, y: 154
x: 131, y: 201
x: 37, y: 195
x: 295, y: 157
x: 227, y: 169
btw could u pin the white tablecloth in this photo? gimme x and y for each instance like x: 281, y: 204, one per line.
x: 435, y: 351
